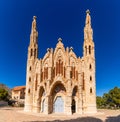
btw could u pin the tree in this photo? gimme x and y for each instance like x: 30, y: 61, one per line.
x: 100, y: 101
x: 3, y: 94
x: 110, y: 99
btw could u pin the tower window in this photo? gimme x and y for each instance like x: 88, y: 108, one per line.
x: 70, y: 74
x: 90, y: 90
x: 85, y: 50
x: 90, y: 67
x: 89, y: 49
x: 90, y: 78
x: 35, y: 52
x: 64, y: 72
x: 83, y: 82
x: 30, y: 68
x: 36, y: 82
x: 29, y: 79
x: 31, y: 53
x: 29, y: 90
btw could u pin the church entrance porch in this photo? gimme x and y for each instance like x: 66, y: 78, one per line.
x: 57, y: 101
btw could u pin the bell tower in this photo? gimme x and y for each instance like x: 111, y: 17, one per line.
x: 32, y: 57
x: 89, y: 66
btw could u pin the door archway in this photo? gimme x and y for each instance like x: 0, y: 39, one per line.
x: 57, y: 97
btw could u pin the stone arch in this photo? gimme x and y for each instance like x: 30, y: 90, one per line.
x: 57, y: 97
x: 54, y: 84
x: 41, y: 98
x: 75, y: 91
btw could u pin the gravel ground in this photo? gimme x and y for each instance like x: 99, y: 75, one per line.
x: 10, y: 114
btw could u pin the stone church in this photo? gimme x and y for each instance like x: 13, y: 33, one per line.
x: 61, y: 82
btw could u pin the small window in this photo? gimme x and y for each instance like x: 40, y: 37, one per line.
x: 29, y: 79
x: 30, y: 68
x: 90, y: 78
x: 85, y: 50
x: 28, y: 91
x: 90, y: 67
x: 89, y: 49
x: 90, y: 90
x: 70, y: 74
x: 31, y: 53
x: 35, y: 52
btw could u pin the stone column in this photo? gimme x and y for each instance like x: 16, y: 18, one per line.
x: 67, y: 106
x: 80, y: 100
x: 47, y: 105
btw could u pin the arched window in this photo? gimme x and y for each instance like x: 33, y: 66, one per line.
x: 72, y: 74
x: 90, y: 66
x: 35, y: 52
x: 59, y: 67
x: 56, y: 68
x: 83, y: 82
x: 90, y: 90
x: 42, y: 76
x: 36, y: 82
x: 85, y: 50
x: 53, y: 73
x: 46, y: 72
x: 77, y: 75
x: 29, y: 79
x: 64, y: 72
x: 75, y: 91
x: 90, y: 78
x: 29, y: 91
x: 31, y: 53
x: 30, y: 68
x: 89, y: 49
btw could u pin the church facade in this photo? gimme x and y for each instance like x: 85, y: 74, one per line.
x: 61, y: 82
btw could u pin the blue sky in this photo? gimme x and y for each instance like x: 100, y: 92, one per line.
x: 65, y: 19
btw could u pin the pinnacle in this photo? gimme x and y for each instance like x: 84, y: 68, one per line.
x: 59, y: 39
x: 34, y: 17
x: 88, y: 11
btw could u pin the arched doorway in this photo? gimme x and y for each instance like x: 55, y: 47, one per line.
x: 57, y: 92
x: 74, y: 97
x: 58, y: 106
x: 42, y: 99
x: 73, y: 107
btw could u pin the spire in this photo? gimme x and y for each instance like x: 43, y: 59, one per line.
x: 34, y: 24
x: 33, y: 46
x: 34, y: 33
x: 88, y: 18
x: 88, y: 46
x: 88, y: 32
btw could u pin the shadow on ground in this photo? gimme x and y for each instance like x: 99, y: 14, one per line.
x: 86, y: 119
x: 83, y: 119
x: 113, y: 119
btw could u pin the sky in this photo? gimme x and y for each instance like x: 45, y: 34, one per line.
x: 65, y: 19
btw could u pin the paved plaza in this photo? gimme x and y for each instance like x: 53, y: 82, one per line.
x: 12, y: 114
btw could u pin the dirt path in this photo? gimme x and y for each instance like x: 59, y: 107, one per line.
x: 9, y: 114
